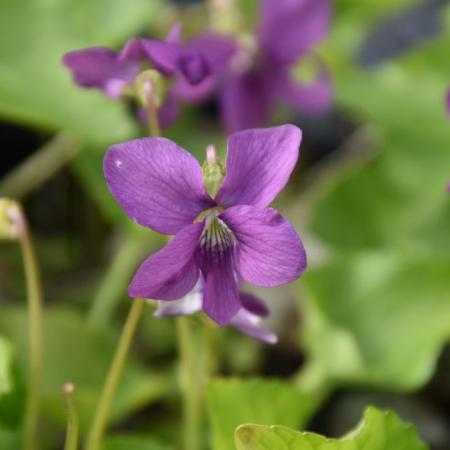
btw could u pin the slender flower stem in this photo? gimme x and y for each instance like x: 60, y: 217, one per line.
x: 190, y: 385
x: 72, y: 418
x: 101, y: 415
x: 35, y: 328
x: 35, y: 170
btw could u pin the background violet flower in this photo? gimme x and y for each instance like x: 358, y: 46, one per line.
x: 260, y: 70
x: 191, y: 72
x: 230, y: 238
x: 248, y: 320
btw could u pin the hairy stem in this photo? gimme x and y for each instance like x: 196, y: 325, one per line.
x: 39, y: 167
x: 71, y: 442
x: 35, y: 327
x: 109, y: 388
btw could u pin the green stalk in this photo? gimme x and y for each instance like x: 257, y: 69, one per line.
x: 109, y: 388
x: 35, y: 327
x: 72, y: 418
x: 39, y: 167
x: 190, y: 385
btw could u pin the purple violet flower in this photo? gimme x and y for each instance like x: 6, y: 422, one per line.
x: 248, y: 319
x: 113, y: 73
x: 260, y: 69
x: 230, y: 238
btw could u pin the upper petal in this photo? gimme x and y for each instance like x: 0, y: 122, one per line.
x: 259, y: 164
x: 157, y: 183
x: 269, y: 251
x: 101, y: 68
x: 289, y: 28
x: 172, y: 272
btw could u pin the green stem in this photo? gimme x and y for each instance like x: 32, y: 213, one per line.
x: 118, y: 275
x: 190, y: 385
x: 39, y: 167
x: 211, y: 354
x: 35, y: 336
x: 104, y: 405
x: 72, y: 418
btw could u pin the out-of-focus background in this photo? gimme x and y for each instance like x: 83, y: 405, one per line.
x: 367, y: 324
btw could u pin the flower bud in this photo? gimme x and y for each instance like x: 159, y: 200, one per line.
x: 149, y: 87
x: 213, y: 171
x: 9, y: 219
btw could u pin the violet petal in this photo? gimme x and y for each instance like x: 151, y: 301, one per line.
x: 189, y: 304
x: 250, y: 324
x: 246, y: 101
x: 269, y: 251
x: 254, y: 304
x: 289, y: 28
x: 157, y: 183
x: 221, y: 299
x: 311, y: 97
x: 100, y: 68
x: 259, y: 164
x: 172, y: 272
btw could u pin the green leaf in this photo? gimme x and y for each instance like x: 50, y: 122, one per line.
x: 378, y: 431
x: 378, y: 318
x: 76, y: 353
x: 36, y: 89
x: 233, y: 402
x: 133, y: 442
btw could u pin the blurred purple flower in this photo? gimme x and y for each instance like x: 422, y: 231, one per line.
x: 260, y: 69
x: 194, y: 73
x: 248, y: 319
x: 230, y: 238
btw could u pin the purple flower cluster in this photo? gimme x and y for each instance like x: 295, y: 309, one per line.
x: 192, y: 73
x: 249, y: 74
x: 219, y: 242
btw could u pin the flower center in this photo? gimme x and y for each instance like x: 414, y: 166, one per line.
x: 217, y: 241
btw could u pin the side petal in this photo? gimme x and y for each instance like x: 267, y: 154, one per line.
x: 289, y: 28
x: 312, y: 97
x: 254, y: 305
x: 269, y: 251
x: 259, y: 164
x: 246, y: 101
x: 189, y: 304
x: 172, y: 272
x: 101, y: 68
x: 251, y: 325
x: 157, y: 183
